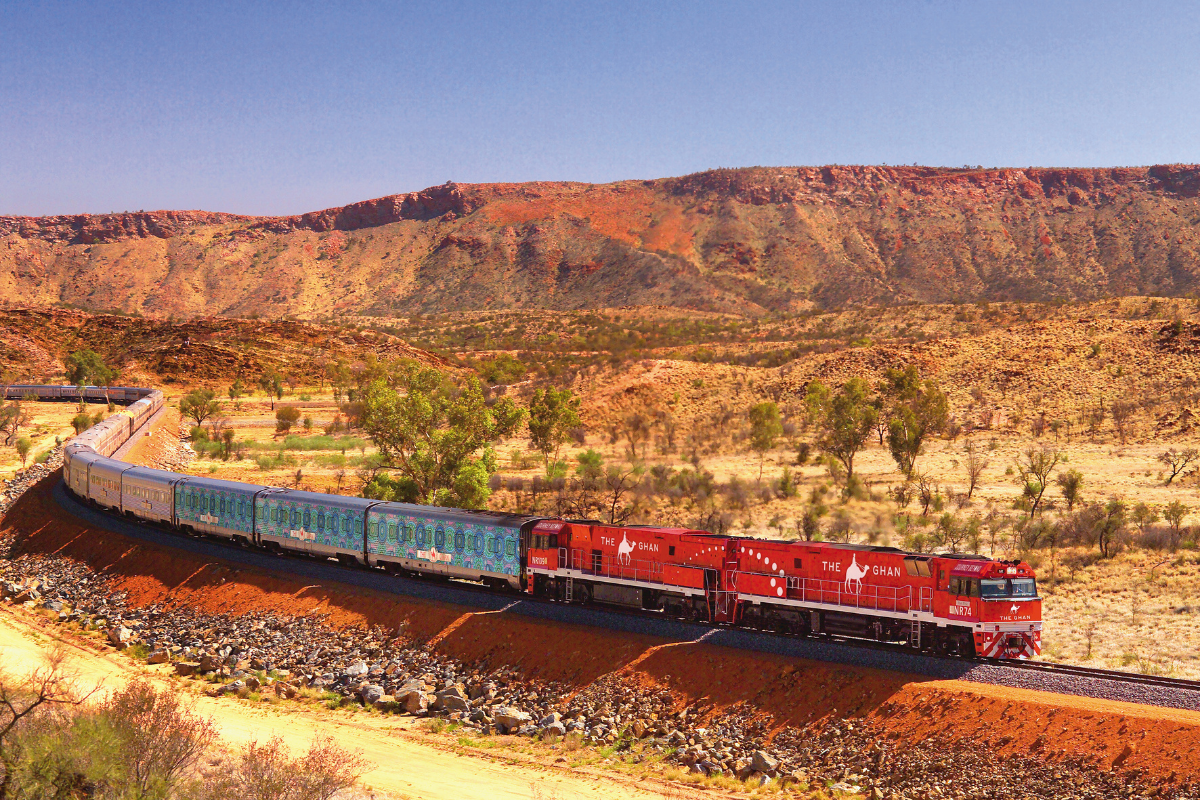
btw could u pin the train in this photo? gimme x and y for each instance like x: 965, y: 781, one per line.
x: 961, y: 605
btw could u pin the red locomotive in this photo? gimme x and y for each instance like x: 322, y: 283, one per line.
x: 953, y: 604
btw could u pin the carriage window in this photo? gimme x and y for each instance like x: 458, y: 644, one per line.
x: 345, y: 525
x: 204, y: 502
x: 955, y: 586
x: 392, y: 528
x: 439, y: 538
x: 460, y: 541
x: 222, y: 505
x: 321, y: 521
x: 671, y: 550
x: 422, y: 535
x: 494, y: 546
x: 307, y: 518
x: 373, y: 530
x: 295, y: 518
x: 796, y: 563
x: 410, y: 534
x: 479, y: 544
x: 510, y: 548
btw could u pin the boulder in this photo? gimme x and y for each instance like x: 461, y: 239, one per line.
x: 451, y: 699
x: 416, y: 702
x: 550, y: 719
x: 356, y: 670
x: 119, y: 635
x: 186, y: 668
x: 371, y: 692
x: 158, y: 657
x: 763, y: 762
x: 53, y: 605
x: 511, y: 718
x: 385, y: 703
x: 252, y: 683
x: 285, y: 690
x: 209, y: 663
x: 556, y: 728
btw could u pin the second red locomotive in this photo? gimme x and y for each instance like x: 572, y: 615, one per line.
x: 953, y: 604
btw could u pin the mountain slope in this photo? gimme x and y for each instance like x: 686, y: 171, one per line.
x: 738, y: 240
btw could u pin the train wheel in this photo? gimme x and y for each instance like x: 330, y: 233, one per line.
x: 581, y: 594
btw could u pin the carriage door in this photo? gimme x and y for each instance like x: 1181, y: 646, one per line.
x: 597, y: 560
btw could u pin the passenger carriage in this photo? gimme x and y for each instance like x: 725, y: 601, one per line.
x: 309, y: 522
x: 104, y: 482
x: 221, y: 508
x: 149, y: 494
x: 474, y: 545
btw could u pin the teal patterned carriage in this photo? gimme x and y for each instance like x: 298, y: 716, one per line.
x: 465, y: 543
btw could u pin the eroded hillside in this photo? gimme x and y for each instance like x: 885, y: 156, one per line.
x: 749, y: 240
x: 33, y: 344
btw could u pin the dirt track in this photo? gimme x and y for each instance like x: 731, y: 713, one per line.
x: 406, y: 763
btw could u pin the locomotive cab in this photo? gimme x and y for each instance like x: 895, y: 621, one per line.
x: 1006, y: 609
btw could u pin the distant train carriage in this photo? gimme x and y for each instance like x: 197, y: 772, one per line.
x: 309, y: 522
x: 223, y: 508
x: 149, y: 493
x: 474, y: 545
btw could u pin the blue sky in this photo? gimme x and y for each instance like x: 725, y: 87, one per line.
x: 289, y: 107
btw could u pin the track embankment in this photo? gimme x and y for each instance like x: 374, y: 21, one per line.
x: 775, y: 692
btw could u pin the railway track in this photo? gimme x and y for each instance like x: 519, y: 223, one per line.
x: 1102, y: 674
x: 1035, y: 675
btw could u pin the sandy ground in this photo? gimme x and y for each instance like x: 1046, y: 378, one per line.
x: 406, y: 763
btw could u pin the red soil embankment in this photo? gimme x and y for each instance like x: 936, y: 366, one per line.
x: 1160, y: 742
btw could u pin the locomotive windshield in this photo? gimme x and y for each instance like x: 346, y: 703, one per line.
x: 1016, y: 587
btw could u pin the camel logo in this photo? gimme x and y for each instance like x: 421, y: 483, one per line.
x: 854, y: 576
x: 1015, y: 608
x: 625, y: 550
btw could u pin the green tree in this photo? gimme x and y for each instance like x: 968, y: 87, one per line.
x: 843, y: 420
x: 1110, y: 525
x: 919, y: 410
x: 86, y: 368
x: 24, y: 445
x: 13, y: 417
x: 591, y: 464
x: 199, y: 405
x: 272, y: 385
x: 236, y: 391
x: 552, y: 415
x: 1071, y: 485
x: 1174, y: 514
x: 437, y: 434
x: 1034, y: 468
x: 285, y: 418
x: 766, y: 427
x: 80, y: 422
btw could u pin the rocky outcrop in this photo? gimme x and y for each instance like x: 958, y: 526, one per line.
x: 756, y: 240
